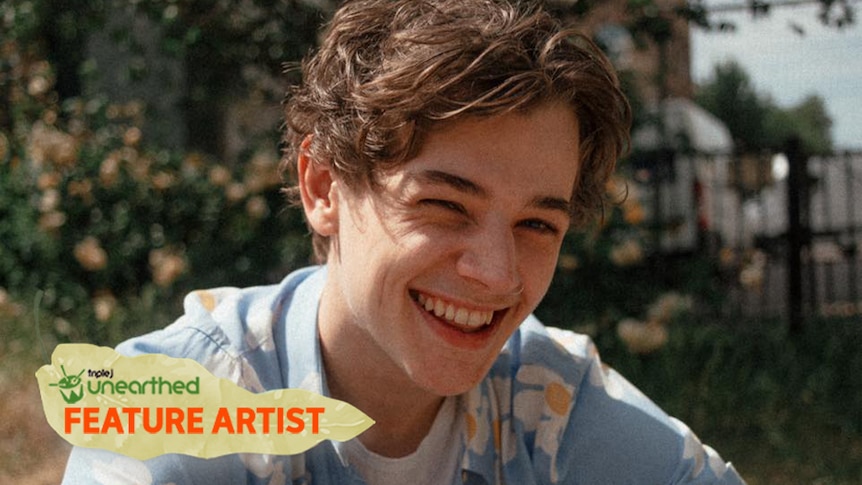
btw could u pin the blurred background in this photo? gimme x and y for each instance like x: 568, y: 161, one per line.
x: 139, y: 147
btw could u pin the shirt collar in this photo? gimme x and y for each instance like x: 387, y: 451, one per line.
x: 477, y: 465
x: 304, y: 369
x: 486, y: 415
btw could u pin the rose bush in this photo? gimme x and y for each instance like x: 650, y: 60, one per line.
x: 101, y: 223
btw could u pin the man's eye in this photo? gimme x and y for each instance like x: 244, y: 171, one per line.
x: 540, y: 225
x: 445, y: 204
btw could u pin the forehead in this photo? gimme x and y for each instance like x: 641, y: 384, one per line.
x: 538, y: 148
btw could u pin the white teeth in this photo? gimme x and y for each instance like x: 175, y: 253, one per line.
x: 476, y: 319
x: 460, y: 316
x: 450, y: 312
x: 439, y: 308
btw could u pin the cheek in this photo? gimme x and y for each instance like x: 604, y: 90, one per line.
x: 537, y: 269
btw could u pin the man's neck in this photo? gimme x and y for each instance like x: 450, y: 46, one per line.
x: 356, y: 373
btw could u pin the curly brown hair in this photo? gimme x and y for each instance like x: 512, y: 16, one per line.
x: 388, y: 71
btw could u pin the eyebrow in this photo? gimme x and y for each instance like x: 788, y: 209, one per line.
x: 438, y: 177
x: 553, y: 203
x: 461, y: 184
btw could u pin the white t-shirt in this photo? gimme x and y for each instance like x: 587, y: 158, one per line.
x: 435, y: 461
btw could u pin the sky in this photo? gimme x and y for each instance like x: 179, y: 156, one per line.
x: 788, y: 66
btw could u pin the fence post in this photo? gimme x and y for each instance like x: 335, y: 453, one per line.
x: 852, y: 246
x: 797, y: 232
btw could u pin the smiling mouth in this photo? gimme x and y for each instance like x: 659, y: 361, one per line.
x: 465, y: 319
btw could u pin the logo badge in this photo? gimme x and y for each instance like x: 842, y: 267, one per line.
x: 71, y: 387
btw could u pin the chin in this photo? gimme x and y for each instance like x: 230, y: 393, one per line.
x: 450, y: 384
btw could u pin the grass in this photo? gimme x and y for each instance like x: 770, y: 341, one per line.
x: 30, y: 451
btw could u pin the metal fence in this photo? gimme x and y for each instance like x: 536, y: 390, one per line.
x: 786, y: 229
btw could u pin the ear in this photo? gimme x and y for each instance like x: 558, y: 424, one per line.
x: 318, y: 192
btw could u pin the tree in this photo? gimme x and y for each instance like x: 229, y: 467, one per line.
x: 834, y: 13
x: 807, y: 120
x: 756, y: 122
x: 731, y: 97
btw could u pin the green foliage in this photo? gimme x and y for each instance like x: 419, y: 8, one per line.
x: 114, y: 221
x: 756, y: 123
x: 110, y: 229
x: 231, y: 48
x: 833, y: 13
x: 731, y: 97
x: 808, y: 120
x: 103, y: 224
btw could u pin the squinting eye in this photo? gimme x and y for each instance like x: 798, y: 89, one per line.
x: 540, y: 225
x: 445, y: 204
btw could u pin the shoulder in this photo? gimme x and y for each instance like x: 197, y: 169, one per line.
x: 234, y: 333
x: 543, y: 356
x: 588, y: 424
x: 231, y: 331
x: 552, y: 357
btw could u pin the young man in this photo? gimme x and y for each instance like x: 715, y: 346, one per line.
x: 442, y: 149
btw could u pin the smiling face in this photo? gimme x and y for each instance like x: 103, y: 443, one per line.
x: 430, y: 274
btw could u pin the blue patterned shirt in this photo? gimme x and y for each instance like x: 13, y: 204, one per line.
x: 548, y: 412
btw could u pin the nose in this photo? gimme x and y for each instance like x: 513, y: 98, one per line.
x: 490, y: 259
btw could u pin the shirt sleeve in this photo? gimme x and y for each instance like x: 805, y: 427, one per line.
x: 88, y: 466
x: 99, y: 467
x: 618, y: 435
x: 194, y: 336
